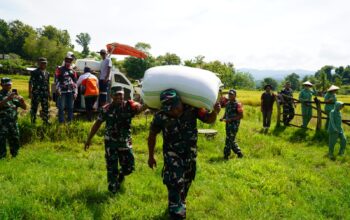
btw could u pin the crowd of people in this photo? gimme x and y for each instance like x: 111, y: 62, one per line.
x: 176, y: 121
x: 332, y: 109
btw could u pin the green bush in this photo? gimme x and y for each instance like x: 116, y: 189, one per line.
x: 344, y: 90
x: 14, y: 65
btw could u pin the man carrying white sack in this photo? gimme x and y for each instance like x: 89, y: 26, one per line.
x: 178, y: 123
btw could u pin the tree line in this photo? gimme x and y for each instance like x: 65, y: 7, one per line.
x: 24, y: 44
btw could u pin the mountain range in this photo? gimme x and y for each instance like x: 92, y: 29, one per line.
x: 260, y: 74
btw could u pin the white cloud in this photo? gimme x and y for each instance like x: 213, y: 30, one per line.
x: 252, y: 33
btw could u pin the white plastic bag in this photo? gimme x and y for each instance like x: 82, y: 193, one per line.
x: 93, y: 64
x: 197, y: 87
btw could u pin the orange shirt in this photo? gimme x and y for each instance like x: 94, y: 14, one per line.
x: 91, y: 84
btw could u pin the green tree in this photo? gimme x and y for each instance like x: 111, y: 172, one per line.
x: 199, y: 60
x: 168, y: 59
x: 339, y: 71
x: 337, y: 80
x: 325, y: 77
x: 224, y: 71
x: 293, y: 78
x: 62, y: 37
x: 269, y: 81
x: 135, y: 67
x: 18, y: 32
x: 327, y: 71
x: 346, y: 75
x: 83, y: 39
x: 4, y: 37
x: 144, y: 47
x: 243, y: 80
x: 37, y: 46
x: 190, y: 63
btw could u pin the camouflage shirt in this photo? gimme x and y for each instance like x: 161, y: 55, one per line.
x: 179, y: 134
x: 118, y: 120
x: 9, y: 110
x: 40, y: 82
x: 233, y: 109
x: 66, y: 80
x: 289, y: 93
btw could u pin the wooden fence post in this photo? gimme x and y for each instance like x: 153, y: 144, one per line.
x: 278, y: 113
x: 319, y: 114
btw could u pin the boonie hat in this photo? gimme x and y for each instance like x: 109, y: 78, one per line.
x: 169, y: 99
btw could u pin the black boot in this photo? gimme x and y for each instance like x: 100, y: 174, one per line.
x: 113, y: 188
x: 121, y: 177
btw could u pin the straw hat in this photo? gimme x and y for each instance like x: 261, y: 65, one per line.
x: 307, y: 83
x: 332, y: 88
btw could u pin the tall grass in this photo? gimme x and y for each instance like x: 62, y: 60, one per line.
x: 284, y: 174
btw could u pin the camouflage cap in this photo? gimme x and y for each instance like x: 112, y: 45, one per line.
x: 117, y: 89
x: 6, y: 81
x: 169, y: 98
x: 42, y: 60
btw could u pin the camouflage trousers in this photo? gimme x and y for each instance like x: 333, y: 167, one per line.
x: 178, y: 174
x: 118, y: 152
x: 44, y: 101
x: 288, y: 114
x: 230, y: 143
x: 9, y: 131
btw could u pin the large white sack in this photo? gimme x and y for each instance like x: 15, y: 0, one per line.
x: 93, y: 64
x: 197, y: 87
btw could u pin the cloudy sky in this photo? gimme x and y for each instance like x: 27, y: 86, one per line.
x: 262, y: 34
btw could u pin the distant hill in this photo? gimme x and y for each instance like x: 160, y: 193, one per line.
x: 276, y: 74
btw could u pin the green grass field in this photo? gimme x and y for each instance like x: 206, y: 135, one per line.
x: 284, y: 174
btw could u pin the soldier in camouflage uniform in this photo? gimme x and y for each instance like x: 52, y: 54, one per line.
x: 39, y: 91
x: 9, y: 102
x: 286, y: 97
x: 118, y: 145
x: 178, y: 123
x: 232, y: 118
